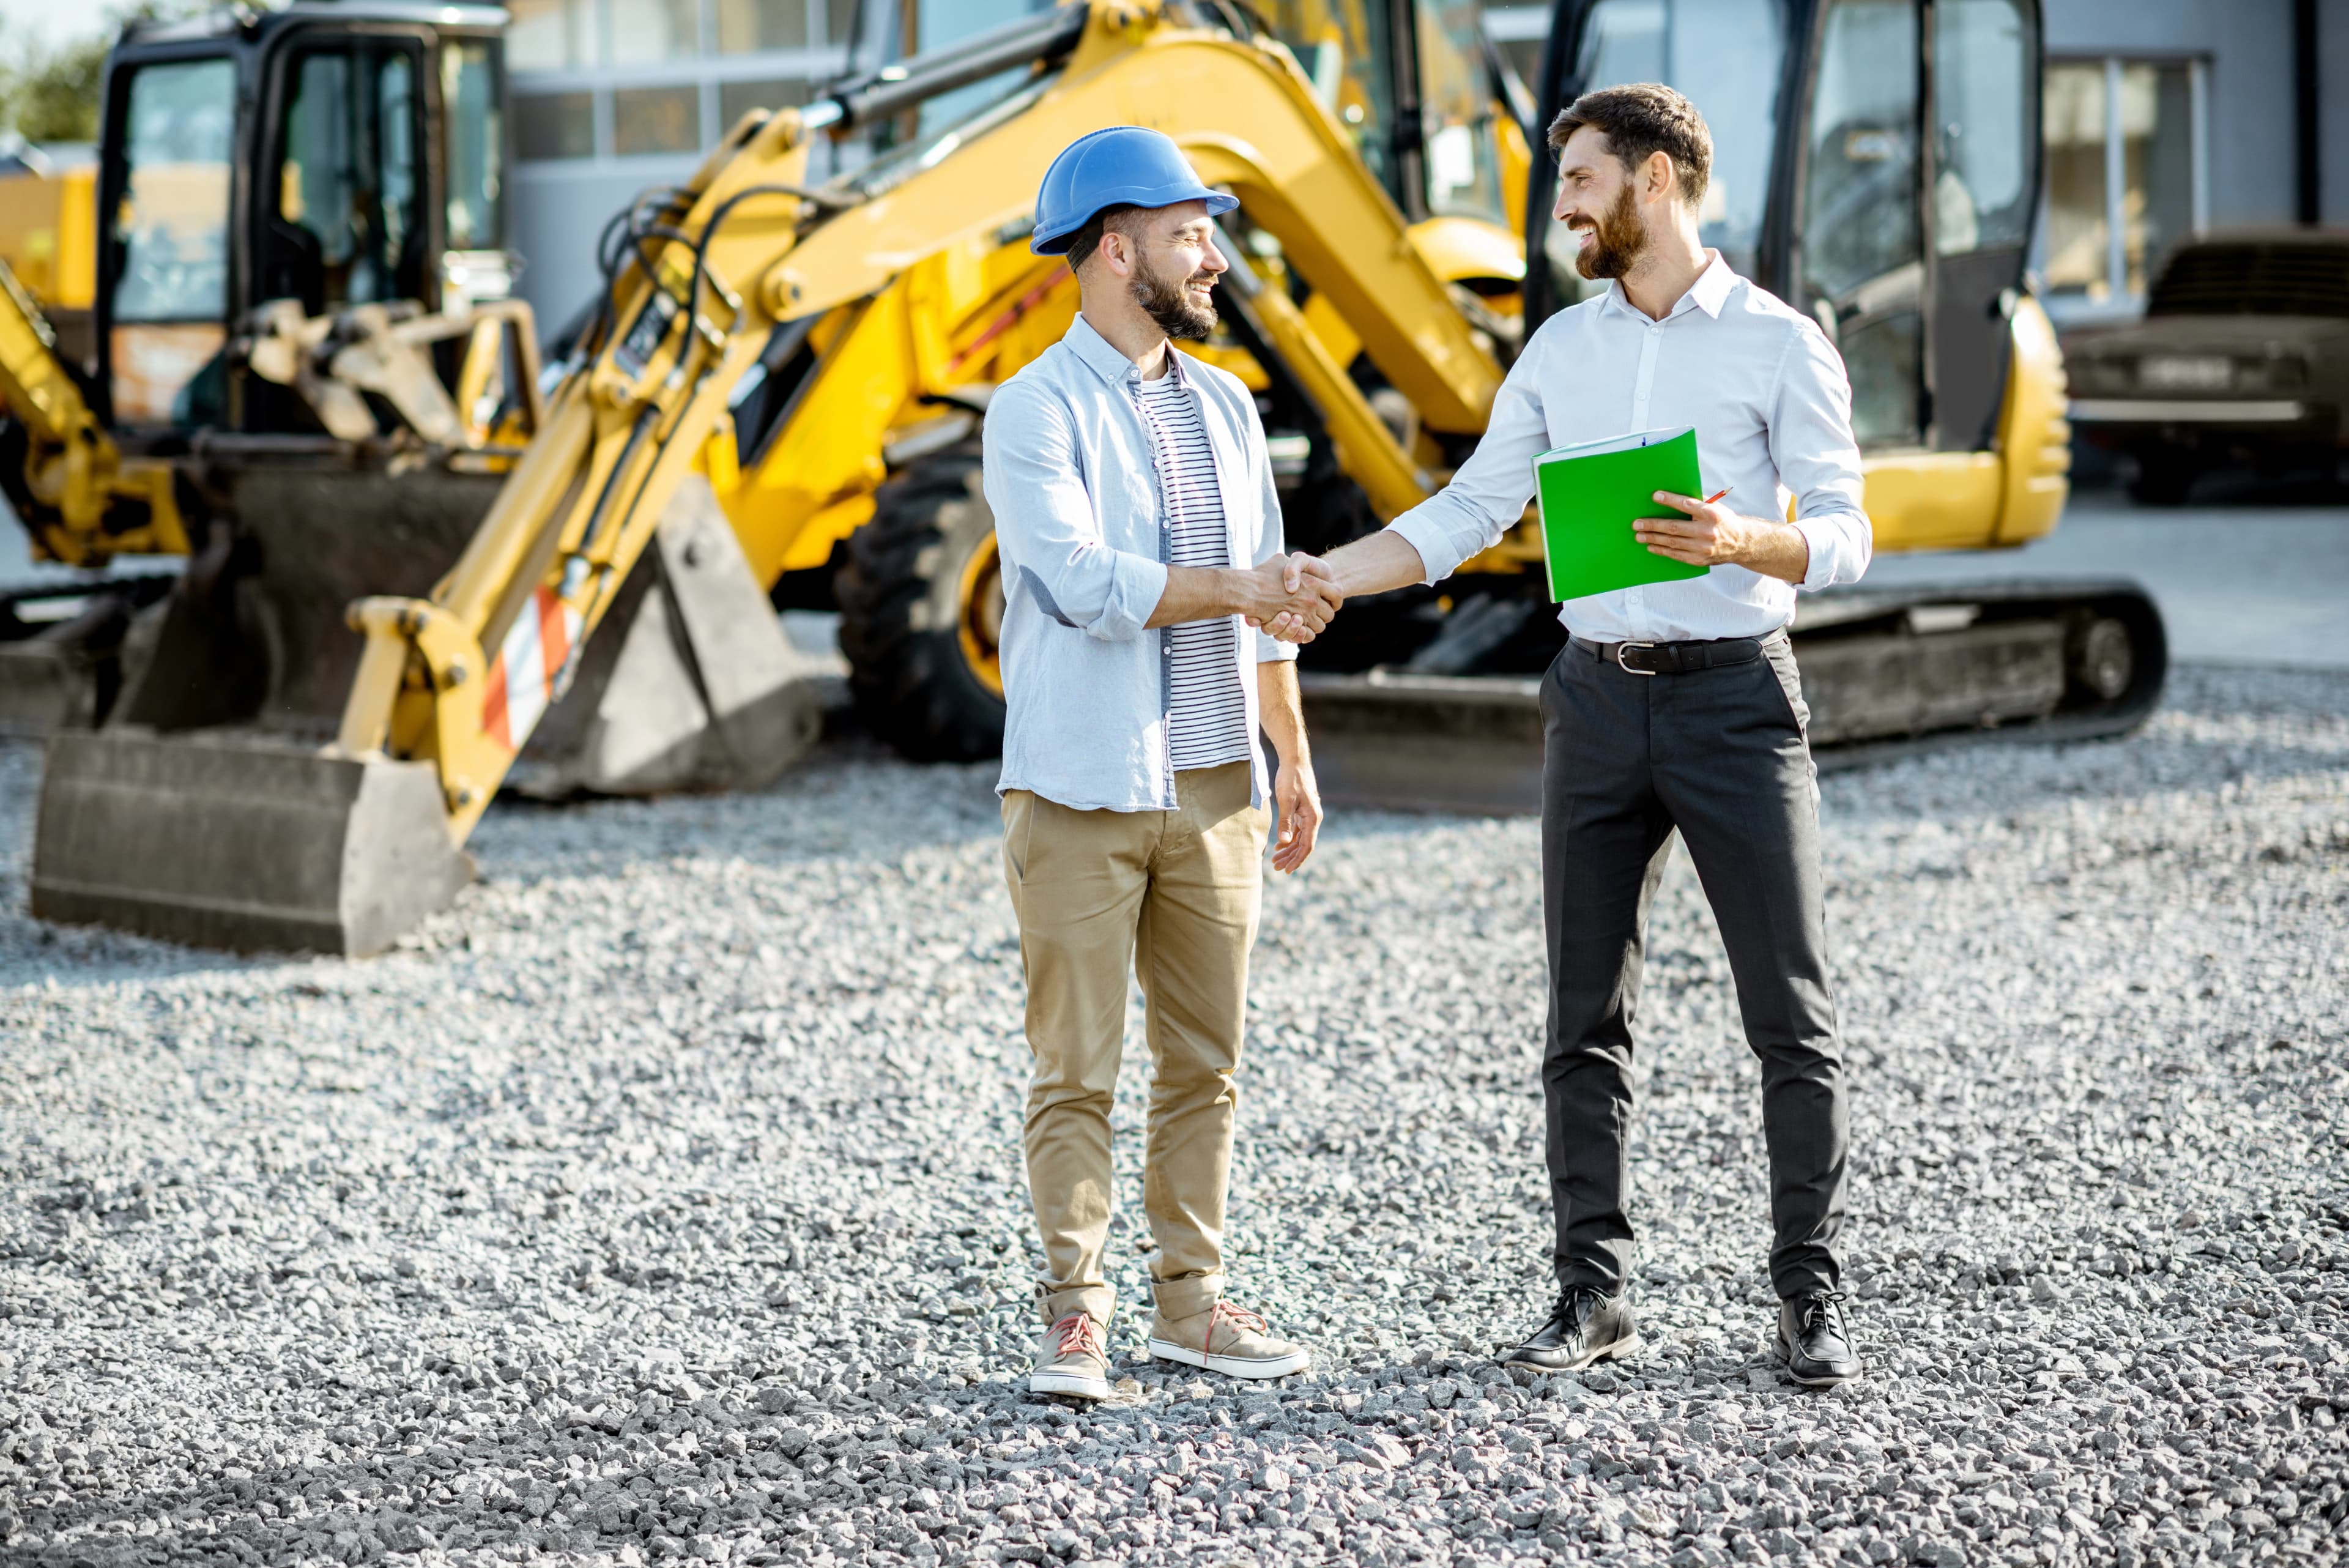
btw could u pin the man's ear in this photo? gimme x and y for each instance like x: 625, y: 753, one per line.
x: 1658, y: 178
x: 1116, y: 250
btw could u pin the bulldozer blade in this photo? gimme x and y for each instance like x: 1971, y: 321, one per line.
x: 240, y: 843
x: 690, y: 683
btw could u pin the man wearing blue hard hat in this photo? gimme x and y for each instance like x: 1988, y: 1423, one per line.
x: 1142, y: 555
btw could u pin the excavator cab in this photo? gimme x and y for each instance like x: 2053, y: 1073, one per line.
x: 332, y: 155
x: 1877, y: 165
x: 1894, y: 204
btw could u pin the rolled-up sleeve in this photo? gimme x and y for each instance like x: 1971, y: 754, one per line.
x: 1270, y: 542
x: 1812, y: 444
x: 1045, y: 527
x: 1488, y: 493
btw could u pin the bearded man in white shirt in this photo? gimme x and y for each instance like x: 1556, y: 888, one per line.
x: 1675, y: 706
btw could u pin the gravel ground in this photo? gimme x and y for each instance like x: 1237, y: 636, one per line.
x: 662, y: 1200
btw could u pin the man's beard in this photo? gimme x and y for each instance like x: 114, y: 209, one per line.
x: 1617, y: 240
x: 1171, y: 305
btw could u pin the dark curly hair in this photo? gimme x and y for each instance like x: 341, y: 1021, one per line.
x: 1642, y: 119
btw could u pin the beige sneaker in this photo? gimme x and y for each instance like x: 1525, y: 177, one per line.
x: 1227, y: 1339
x: 1071, y: 1360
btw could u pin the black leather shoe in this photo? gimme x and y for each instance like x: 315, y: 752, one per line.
x: 1815, y: 1339
x: 1584, y: 1327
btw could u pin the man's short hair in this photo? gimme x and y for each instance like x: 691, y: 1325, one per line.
x: 1125, y: 220
x: 1640, y: 121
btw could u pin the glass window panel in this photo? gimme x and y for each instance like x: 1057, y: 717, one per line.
x: 2077, y: 237
x: 1725, y: 55
x: 345, y: 229
x: 1881, y: 358
x: 397, y: 102
x: 1984, y: 102
x: 654, y: 30
x: 655, y: 120
x: 173, y: 223
x: 2157, y: 164
x: 1346, y: 50
x: 1464, y: 153
x: 549, y: 35
x: 473, y: 131
x: 736, y: 100
x: 555, y: 125
x: 748, y: 26
x: 1859, y: 217
x: 1862, y: 266
x: 840, y: 21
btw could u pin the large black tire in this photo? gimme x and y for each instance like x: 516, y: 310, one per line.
x: 917, y: 620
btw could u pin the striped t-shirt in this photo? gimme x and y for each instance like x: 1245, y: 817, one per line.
x: 1207, y: 719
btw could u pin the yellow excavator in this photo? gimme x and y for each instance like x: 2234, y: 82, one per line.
x: 784, y: 375
x: 280, y: 282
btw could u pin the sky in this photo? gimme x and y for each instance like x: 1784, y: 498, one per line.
x: 53, y: 22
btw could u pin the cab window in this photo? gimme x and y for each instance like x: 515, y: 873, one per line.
x: 1725, y: 55
x: 474, y: 134
x: 1457, y: 109
x: 348, y: 226
x: 1346, y: 50
x: 1862, y: 266
x: 167, y: 259
x: 171, y: 228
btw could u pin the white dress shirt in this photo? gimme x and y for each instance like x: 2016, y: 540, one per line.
x: 1770, y: 403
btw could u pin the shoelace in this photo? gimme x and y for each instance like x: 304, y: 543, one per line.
x: 1078, y: 1332
x: 1823, y: 1306
x: 1240, y: 1319
x: 1576, y: 1304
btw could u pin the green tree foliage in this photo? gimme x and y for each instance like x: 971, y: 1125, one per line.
x: 51, y: 95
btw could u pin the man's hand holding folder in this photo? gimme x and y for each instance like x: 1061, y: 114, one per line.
x: 1713, y: 535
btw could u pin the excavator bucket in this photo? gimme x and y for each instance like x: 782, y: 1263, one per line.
x: 237, y: 842
x: 249, y: 836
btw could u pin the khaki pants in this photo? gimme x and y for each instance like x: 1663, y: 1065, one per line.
x: 1174, y: 894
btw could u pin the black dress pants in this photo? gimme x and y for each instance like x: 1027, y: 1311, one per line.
x: 1720, y: 755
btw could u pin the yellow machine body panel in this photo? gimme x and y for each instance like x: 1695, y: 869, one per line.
x: 48, y: 234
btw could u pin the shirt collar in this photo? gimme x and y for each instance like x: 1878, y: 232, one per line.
x: 1708, y: 293
x: 1107, y: 361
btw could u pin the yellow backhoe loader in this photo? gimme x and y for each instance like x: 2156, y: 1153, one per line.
x: 811, y: 363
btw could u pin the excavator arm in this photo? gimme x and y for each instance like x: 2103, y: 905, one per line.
x: 710, y: 273
x: 80, y: 499
x: 232, y: 842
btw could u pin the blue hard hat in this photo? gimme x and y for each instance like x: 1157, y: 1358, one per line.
x: 1122, y: 166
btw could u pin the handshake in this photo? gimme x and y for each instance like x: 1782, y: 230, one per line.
x: 1291, y: 597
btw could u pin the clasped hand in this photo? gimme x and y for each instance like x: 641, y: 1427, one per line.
x: 1295, y: 597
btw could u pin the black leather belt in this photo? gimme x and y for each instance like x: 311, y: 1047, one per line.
x: 1675, y: 657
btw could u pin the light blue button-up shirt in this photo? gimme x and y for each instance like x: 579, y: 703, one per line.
x: 1072, y: 478
x: 1771, y: 405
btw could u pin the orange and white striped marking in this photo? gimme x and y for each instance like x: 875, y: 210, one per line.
x: 522, y: 680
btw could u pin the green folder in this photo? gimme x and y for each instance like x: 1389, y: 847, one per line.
x: 1589, y: 494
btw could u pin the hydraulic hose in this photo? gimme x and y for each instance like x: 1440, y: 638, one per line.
x: 1039, y: 40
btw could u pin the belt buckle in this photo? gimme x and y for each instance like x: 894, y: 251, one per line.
x: 1622, y: 648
